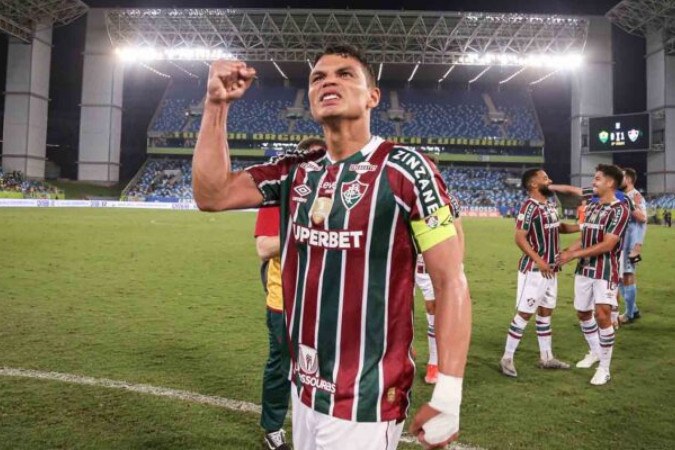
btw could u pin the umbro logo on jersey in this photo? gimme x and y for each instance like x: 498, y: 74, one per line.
x: 352, y: 193
x: 303, y: 190
x: 362, y: 168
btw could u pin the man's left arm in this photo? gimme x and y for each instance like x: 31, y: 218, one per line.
x: 453, y: 306
x: 437, y: 422
x: 569, y: 228
x: 616, y: 227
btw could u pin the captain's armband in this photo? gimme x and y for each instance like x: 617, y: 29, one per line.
x: 433, y: 229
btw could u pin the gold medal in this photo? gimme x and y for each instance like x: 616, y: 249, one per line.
x: 321, y: 209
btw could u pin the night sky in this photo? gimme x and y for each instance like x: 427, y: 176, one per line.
x: 143, y: 90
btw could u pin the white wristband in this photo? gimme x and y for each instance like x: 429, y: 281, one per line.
x: 447, y: 396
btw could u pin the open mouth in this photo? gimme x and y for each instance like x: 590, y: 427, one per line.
x: 328, y: 97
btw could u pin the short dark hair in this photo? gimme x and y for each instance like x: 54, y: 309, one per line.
x: 629, y: 172
x: 306, y: 143
x: 527, y: 177
x: 346, y: 50
x: 612, y: 171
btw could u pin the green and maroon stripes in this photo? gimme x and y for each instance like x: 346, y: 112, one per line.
x: 540, y: 220
x: 600, y: 220
x: 350, y: 306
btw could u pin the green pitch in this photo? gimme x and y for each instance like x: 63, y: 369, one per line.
x: 173, y: 299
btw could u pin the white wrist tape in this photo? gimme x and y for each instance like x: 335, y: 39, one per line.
x: 447, y: 394
x: 447, y: 398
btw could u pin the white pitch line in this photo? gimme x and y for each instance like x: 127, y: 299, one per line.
x: 222, y: 402
x: 234, y: 405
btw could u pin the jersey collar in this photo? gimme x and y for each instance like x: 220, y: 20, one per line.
x: 370, y: 147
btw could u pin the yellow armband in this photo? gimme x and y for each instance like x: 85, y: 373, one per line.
x: 433, y: 229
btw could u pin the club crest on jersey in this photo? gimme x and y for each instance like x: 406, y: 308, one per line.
x: 432, y: 222
x: 352, y: 193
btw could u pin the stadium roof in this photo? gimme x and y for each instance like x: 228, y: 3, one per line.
x: 20, y: 18
x: 643, y: 17
x: 387, y: 36
x: 284, y: 42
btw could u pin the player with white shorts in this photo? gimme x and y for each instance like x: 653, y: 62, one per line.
x: 423, y: 282
x: 597, y: 273
x: 537, y: 235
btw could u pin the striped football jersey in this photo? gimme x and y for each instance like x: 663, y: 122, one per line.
x: 601, y: 219
x: 348, y: 261
x: 542, y: 224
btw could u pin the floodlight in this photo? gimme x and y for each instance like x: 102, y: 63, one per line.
x: 412, y: 75
x: 135, y: 54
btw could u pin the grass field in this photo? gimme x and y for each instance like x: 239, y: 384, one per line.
x: 173, y: 299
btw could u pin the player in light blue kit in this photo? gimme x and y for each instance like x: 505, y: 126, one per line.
x: 632, y: 247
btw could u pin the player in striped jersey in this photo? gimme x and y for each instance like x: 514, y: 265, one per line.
x: 538, y: 231
x: 353, y: 218
x: 597, y: 274
x: 276, y: 388
x: 423, y: 282
x: 588, y: 194
x: 632, y: 246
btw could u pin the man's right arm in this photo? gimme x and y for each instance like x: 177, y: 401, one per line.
x: 215, y: 186
x: 525, y: 247
x: 566, y: 189
x: 267, y: 247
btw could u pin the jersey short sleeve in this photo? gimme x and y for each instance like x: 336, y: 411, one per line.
x: 525, y: 216
x: 619, y: 220
x: 420, y: 191
x: 587, y: 193
x: 640, y: 202
x: 455, y: 208
x: 629, y: 203
x: 267, y: 221
x: 269, y: 176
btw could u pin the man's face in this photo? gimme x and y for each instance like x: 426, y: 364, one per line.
x: 541, y: 182
x: 624, y: 183
x: 338, y: 89
x: 602, y: 184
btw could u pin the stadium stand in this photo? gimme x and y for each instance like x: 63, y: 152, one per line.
x: 665, y: 201
x: 16, y: 183
x: 170, y: 179
x: 423, y: 112
x: 172, y: 113
x: 261, y: 111
x: 166, y: 180
x: 521, y: 120
x: 476, y: 187
x: 446, y: 113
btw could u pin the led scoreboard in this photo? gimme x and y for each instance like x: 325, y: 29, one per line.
x: 617, y: 133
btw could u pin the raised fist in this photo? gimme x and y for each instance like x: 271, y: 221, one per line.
x: 228, y: 80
